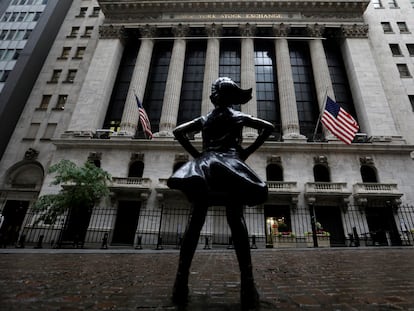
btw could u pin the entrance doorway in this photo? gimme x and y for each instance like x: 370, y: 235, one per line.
x: 126, y: 222
x: 76, y: 226
x: 14, y: 212
x: 382, y: 226
x: 330, y: 219
x: 277, y: 221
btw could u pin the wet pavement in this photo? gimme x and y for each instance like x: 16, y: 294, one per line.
x: 298, y: 279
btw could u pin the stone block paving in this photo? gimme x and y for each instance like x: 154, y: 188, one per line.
x: 288, y: 280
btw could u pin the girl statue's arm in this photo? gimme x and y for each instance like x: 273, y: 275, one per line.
x: 181, y: 131
x: 265, y: 129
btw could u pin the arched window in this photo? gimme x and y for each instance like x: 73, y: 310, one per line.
x: 177, y: 165
x: 136, y: 169
x: 321, y: 173
x: 274, y: 172
x: 368, y: 173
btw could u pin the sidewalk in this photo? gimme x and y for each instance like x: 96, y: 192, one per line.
x: 299, y: 279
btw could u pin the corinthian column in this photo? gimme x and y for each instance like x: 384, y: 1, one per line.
x: 211, y: 69
x: 323, y: 82
x: 130, y: 114
x: 171, y: 101
x: 287, y: 97
x: 248, y: 74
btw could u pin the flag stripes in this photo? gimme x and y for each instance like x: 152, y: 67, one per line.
x: 339, y: 122
x: 143, y: 118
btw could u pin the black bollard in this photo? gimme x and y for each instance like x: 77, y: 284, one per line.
x: 22, y: 240
x: 230, y: 246
x: 139, y: 242
x: 253, y: 246
x: 159, y: 243
x: 356, y: 237
x: 206, y: 243
x: 105, y: 241
x: 40, y: 242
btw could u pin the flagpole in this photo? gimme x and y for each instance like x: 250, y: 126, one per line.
x: 320, y: 113
x: 139, y: 121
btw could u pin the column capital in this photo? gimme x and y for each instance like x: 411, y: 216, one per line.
x: 355, y: 31
x: 315, y: 30
x: 214, y: 30
x: 112, y: 32
x: 247, y: 30
x: 181, y: 30
x: 148, y: 31
x: 281, y: 30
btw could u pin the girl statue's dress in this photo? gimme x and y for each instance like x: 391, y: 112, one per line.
x: 218, y: 176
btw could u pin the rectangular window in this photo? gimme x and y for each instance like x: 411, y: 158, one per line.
x: 395, y: 50
x: 74, y: 32
x: 3, y: 34
x: 377, y: 4
x: 4, y: 74
x: 21, y: 16
x: 410, y: 48
x: 37, y: 16
x: 88, y: 32
x: 386, y: 26
x: 403, y: 70
x: 2, y: 52
x: 32, y: 132
x: 65, y: 52
x: 29, y: 17
x: 13, y: 16
x: 49, y: 131
x: 411, y: 98
x: 95, y: 12
x: 80, y: 51
x: 27, y: 34
x: 55, y: 76
x: 20, y: 35
x: 82, y: 12
x: 5, y: 17
x: 402, y: 26
x: 61, y: 102
x: 392, y: 4
x: 45, y: 102
x: 70, y: 76
x: 11, y: 34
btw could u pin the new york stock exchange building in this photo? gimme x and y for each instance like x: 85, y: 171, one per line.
x: 166, y: 55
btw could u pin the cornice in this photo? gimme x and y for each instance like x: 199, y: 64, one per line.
x: 129, y: 10
x: 269, y: 146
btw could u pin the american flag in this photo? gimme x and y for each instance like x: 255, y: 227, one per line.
x: 143, y: 118
x: 339, y: 122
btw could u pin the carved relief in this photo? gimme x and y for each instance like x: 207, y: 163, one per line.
x: 366, y: 160
x: 274, y: 159
x: 355, y: 31
x: 180, y: 30
x: 247, y: 30
x: 111, y: 32
x: 137, y: 156
x: 214, y: 30
x: 31, y: 154
x: 148, y: 31
x: 320, y: 160
x: 315, y: 30
x: 281, y: 30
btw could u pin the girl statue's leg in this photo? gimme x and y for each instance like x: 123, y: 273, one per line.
x: 249, y: 295
x: 188, y: 248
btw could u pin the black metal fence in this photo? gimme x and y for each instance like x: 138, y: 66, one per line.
x: 163, y: 227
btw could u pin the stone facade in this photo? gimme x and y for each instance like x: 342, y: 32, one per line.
x: 380, y: 98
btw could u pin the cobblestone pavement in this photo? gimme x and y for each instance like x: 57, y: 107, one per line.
x: 308, y: 279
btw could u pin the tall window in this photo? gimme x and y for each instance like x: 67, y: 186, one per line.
x: 392, y: 4
x: 230, y: 61
x: 395, y: 49
x: 45, y: 101
x: 274, y: 172
x: 55, y: 76
x: 369, y: 174
x: 410, y: 48
x: 136, y: 169
x: 154, y: 93
x: 308, y: 110
x: 386, y: 27
x: 402, y: 26
x: 120, y: 91
x: 339, y: 78
x: 266, y: 91
x: 61, y: 102
x: 321, y: 173
x: 32, y: 132
x: 403, y: 70
x: 411, y: 98
x: 192, y: 87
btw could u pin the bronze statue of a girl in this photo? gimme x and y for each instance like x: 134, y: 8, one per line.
x: 218, y: 176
